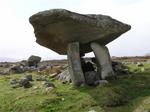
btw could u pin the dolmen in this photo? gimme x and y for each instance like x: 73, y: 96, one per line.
x: 72, y: 34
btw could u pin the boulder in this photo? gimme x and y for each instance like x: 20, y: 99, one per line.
x: 17, y: 69
x: 119, y: 68
x: 64, y: 76
x: 24, y: 82
x: 5, y: 71
x: 56, y: 28
x: 14, y: 83
x: 34, y: 60
x: 91, y: 78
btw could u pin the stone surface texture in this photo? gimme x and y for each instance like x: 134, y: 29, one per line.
x: 56, y: 28
x: 103, y: 57
x: 74, y: 62
x: 33, y: 60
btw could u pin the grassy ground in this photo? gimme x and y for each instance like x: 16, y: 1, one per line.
x: 127, y: 93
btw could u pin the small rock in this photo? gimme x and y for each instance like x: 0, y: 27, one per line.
x: 91, y: 77
x: 5, y: 71
x: 49, y: 84
x: 24, y: 83
x: 17, y: 69
x: 48, y: 89
x: 29, y: 77
x: 119, y: 68
x: 53, y: 75
x: 13, y: 81
x: 64, y: 76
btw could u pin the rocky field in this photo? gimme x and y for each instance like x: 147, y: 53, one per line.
x: 34, y: 86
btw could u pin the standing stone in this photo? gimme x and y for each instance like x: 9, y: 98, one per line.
x: 103, y: 57
x: 75, y: 69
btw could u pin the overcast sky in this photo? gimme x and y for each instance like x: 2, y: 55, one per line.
x: 17, y: 39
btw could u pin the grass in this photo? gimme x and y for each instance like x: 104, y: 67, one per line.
x: 127, y: 93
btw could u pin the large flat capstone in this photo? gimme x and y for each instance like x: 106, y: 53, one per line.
x: 56, y: 28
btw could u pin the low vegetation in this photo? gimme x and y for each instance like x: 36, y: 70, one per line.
x: 126, y: 93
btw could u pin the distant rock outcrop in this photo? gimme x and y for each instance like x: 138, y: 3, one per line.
x: 33, y: 61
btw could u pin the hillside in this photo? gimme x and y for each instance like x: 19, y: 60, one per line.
x: 126, y: 93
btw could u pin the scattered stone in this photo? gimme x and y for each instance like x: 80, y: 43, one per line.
x: 29, y: 77
x: 42, y: 67
x: 48, y: 89
x: 119, y: 68
x: 49, y: 84
x: 13, y: 81
x: 23, y: 63
x: 64, y: 76
x: 33, y: 61
x: 24, y: 83
x: 53, y: 75
x: 91, y: 78
x: 17, y: 69
x: 5, y: 71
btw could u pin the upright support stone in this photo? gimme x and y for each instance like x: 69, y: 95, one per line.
x: 103, y: 57
x: 74, y: 62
